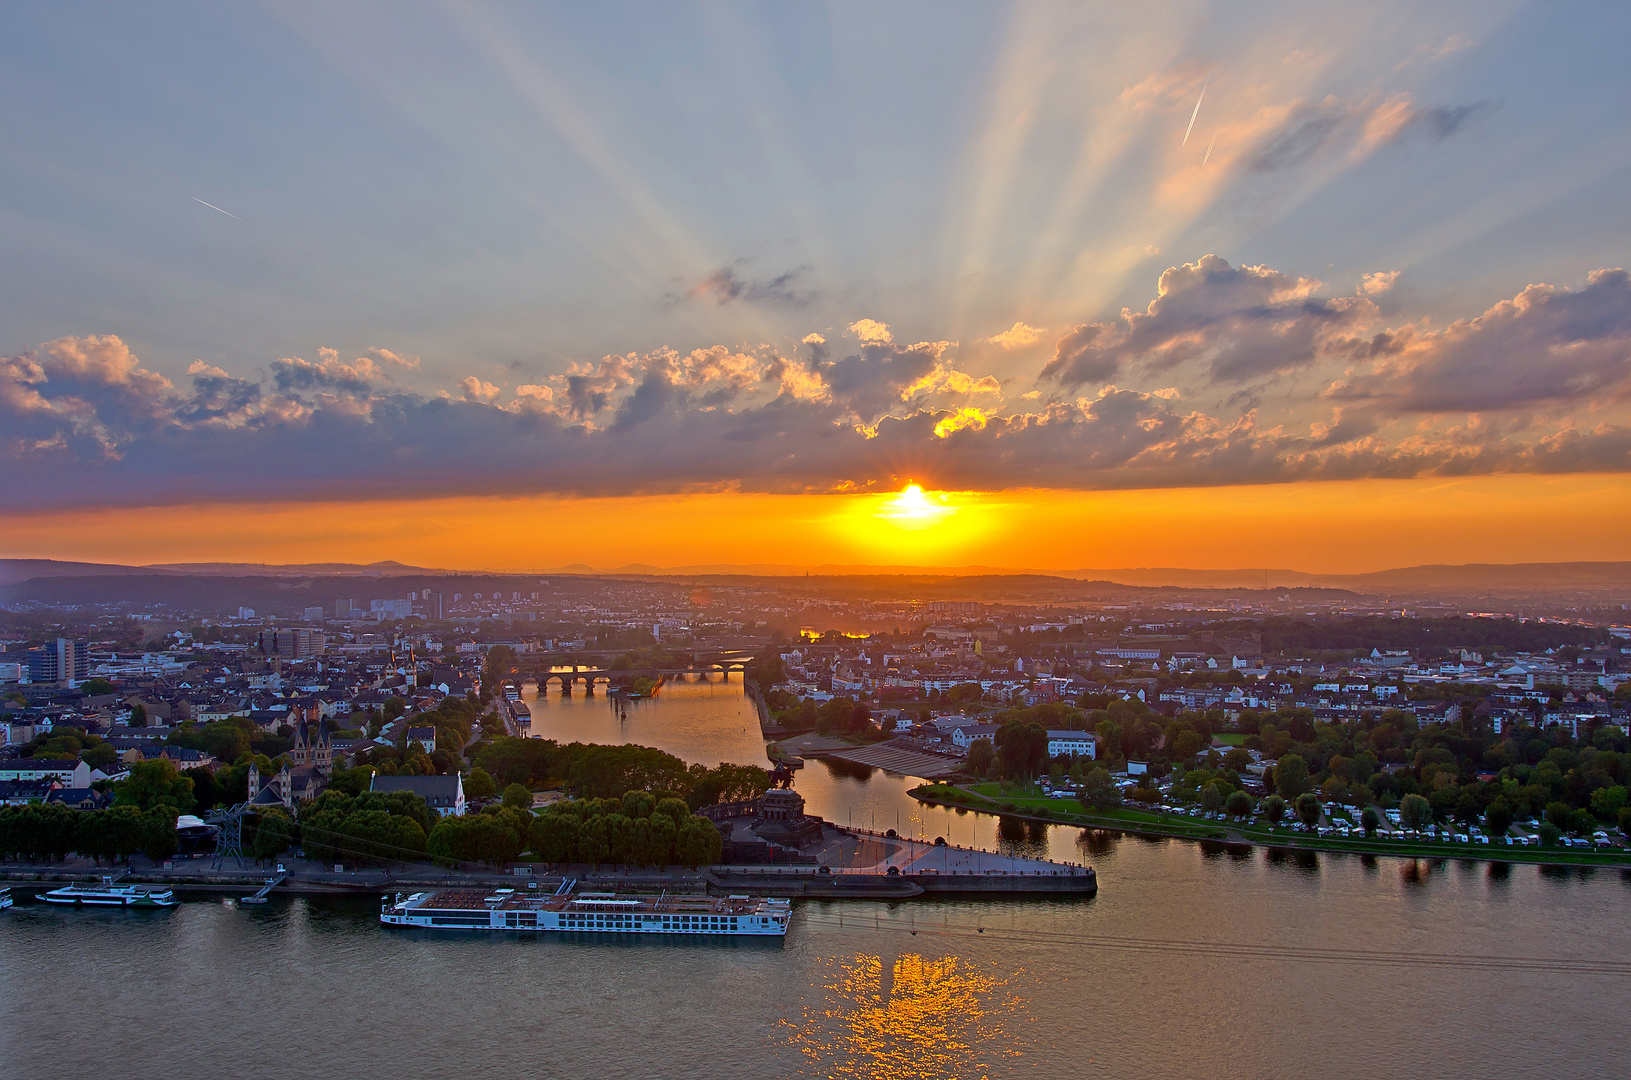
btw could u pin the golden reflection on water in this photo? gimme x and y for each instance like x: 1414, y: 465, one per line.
x: 931, y: 1020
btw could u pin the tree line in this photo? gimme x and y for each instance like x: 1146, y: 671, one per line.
x: 594, y: 771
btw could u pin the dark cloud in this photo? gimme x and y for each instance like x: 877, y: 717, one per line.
x: 1546, y: 345
x: 1444, y: 121
x: 725, y: 285
x: 1333, y: 124
x: 1242, y: 322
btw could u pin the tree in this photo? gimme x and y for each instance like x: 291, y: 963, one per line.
x: 155, y: 783
x: 1549, y: 834
x: 1370, y: 819
x: 1309, y: 809
x: 1497, y: 818
x: 1558, y: 813
x: 1415, y: 812
x: 138, y: 715
x: 1274, y: 808
x: 479, y: 785
x: 275, y: 833
x: 980, y: 756
x: 1238, y: 804
x: 97, y: 688
x: 1022, y: 748
x: 1211, y: 798
x: 1607, y: 802
x: 1291, y: 776
x: 1625, y: 815
x: 517, y: 796
x: 159, y: 832
x: 1098, y: 790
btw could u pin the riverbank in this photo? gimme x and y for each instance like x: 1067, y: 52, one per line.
x: 1140, y: 822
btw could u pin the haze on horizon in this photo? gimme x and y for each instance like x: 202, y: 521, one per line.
x: 501, y: 285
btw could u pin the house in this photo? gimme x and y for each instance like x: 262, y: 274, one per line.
x: 422, y: 737
x: 443, y: 794
x: 80, y: 798
x: 1072, y: 744
x: 23, y: 792
x: 964, y: 737
x: 73, y: 773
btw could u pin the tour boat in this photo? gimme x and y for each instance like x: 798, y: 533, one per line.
x: 588, y: 912
x: 5, y: 897
x: 108, y: 894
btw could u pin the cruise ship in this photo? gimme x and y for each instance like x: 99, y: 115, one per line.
x: 588, y: 912
x: 108, y: 894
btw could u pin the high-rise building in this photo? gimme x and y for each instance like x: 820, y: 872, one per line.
x: 344, y: 608
x: 313, y: 614
x: 64, y: 661
x: 292, y: 643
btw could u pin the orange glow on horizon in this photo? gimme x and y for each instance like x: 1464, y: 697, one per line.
x: 1344, y: 527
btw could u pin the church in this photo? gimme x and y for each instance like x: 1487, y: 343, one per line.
x: 304, y: 773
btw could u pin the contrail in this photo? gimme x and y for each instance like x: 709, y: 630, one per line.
x: 1192, y: 115
x: 235, y: 217
x: 1209, y: 146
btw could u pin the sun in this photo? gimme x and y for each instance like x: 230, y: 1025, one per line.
x: 912, y: 509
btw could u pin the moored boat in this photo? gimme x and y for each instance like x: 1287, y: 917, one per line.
x: 108, y: 894
x: 5, y: 897
x: 588, y: 912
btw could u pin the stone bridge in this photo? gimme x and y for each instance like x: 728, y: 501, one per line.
x: 589, y: 676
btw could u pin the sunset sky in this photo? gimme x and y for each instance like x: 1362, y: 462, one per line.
x: 509, y: 286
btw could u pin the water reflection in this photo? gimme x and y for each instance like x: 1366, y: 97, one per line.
x: 915, y: 1017
x: 1025, y: 839
x: 1097, y: 841
x: 1296, y: 858
x: 839, y: 769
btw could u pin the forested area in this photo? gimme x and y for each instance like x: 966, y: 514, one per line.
x: 1430, y: 637
x: 593, y: 771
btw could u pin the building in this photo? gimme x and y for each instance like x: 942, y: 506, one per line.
x: 80, y: 798
x: 74, y: 774
x: 64, y: 661
x: 1072, y: 744
x: 964, y: 737
x: 422, y: 737
x: 23, y: 792
x: 443, y: 794
x: 292, y: 643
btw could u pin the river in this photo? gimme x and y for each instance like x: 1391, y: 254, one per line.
x: 1189, y: 962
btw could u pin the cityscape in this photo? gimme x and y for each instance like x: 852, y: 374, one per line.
x: 934, y: 541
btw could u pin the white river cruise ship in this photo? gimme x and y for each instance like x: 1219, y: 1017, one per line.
x: 588, y: 912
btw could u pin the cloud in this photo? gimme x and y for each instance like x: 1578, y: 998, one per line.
x: 329, y: 373
x: 871, y: 330
x: 1311, y: 129
x: 1378, y: 283
x: 1016, y: 337
x: 1241, y: 322
x: 725, y: 285
x: 1546, y: 345
x: 1540, y: 382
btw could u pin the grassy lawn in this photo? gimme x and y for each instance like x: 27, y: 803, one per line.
x: 1027, y: 800
x: 1229, y: 740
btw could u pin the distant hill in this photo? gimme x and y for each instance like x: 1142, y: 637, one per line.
x: 14, y: 570
x: 386, y: 568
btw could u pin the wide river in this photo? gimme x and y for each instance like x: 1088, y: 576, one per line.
x: 1189, y: 963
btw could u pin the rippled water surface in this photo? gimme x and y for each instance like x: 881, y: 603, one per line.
x: 1190, y: 962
